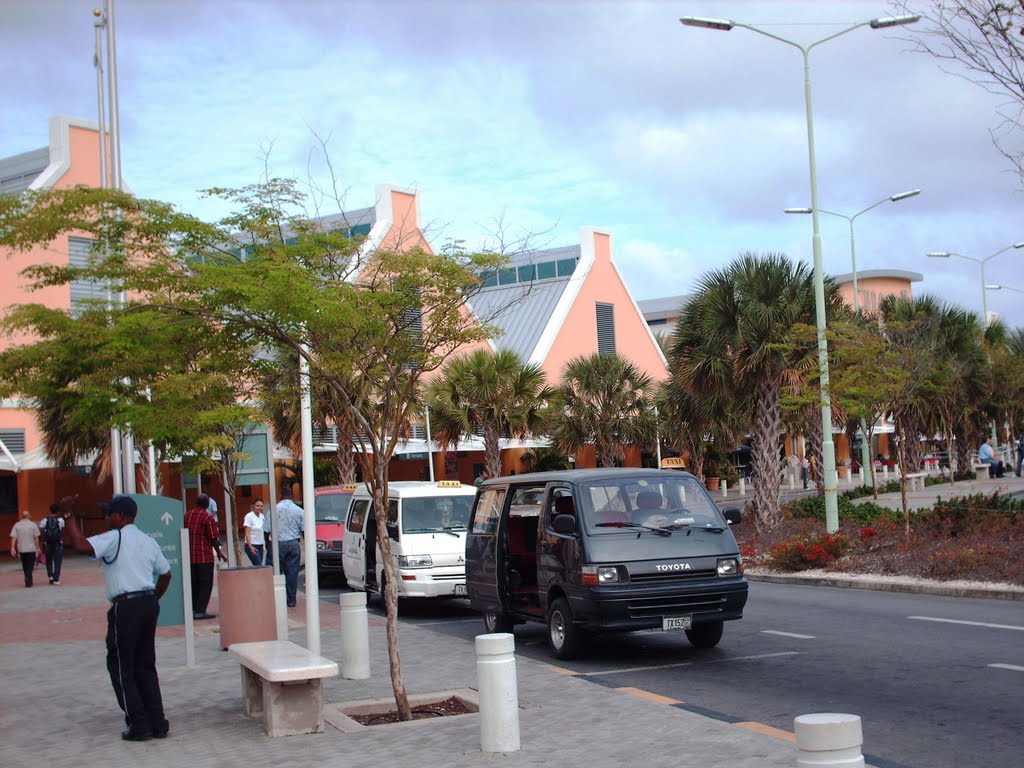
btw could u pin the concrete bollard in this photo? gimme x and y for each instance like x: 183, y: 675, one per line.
x: 355, y: 637
x: 725, y: 489
x: 792, y: 482
x: 885, y: 472
x: 743, y: 487
x: 828, y: 739
x: 281, y: 607
x: 499, y: 692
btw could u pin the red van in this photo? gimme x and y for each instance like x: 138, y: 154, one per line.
x: 331, y: 509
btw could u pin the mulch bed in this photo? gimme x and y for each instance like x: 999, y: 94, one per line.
x: 447, y: 708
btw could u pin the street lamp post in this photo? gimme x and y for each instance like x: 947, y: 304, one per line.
x: 828, y: 447
x: 865, y: 449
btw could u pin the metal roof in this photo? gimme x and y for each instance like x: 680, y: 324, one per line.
x: 664, y: 307
x: 867, y: 274
x: 521, y: 310
x: 540, y: 257
x: 19, y: 171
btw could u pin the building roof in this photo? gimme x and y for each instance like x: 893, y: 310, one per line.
x: 17, y: 172
x: 664, y: 307
x: 521, y: 310
x: 867, y: 274
x: 548, y: 254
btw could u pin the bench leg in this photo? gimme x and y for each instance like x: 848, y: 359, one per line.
x: 252, y: 693
x: 293, y: 708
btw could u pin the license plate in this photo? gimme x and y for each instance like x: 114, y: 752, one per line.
x: 460, y: 589
x: 676, y: 622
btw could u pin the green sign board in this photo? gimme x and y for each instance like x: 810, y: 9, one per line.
x: 252, y: 471
x: 163, y: 518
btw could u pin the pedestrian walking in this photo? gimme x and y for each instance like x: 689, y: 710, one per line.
x: 204, y: 541
x: 805, y: 470
x: 253, y: 527
x: 25, y: 544
x: 290, y: 520
x: 53, y: 543
x: 1020, y: 450
x: 136, y: 575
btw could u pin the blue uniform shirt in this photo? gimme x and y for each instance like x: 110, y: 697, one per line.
x: 289, y: 520
x: 137, y: 565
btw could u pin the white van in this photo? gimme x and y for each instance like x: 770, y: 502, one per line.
x: 427, y: 525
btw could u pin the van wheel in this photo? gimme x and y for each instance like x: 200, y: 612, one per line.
x: 563, y: 636
x: 498, y: 622
x: 705, y: 635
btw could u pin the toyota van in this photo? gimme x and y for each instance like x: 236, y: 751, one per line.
x: 426, y: 523
x: 331, y: 509
x: 603, y: 550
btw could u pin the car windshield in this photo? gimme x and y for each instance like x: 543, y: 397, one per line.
x: 436, y: 513
x: 622, y: 504
x: 332, y: 507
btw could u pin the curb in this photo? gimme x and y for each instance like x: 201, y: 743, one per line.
x: 892, y: 585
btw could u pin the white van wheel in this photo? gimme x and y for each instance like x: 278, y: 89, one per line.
x: 563, y: 636
x: 497, y: 622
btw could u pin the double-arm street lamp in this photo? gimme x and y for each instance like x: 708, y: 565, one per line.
x: 1002, y: 288
x: 981, y: 263
x: 865, y: 449
x: 828, y: 455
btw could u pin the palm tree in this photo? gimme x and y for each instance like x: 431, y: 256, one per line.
x: 692, y: 425
x: 493, y: 392
x: 606, y: 401
x: 735, y: 338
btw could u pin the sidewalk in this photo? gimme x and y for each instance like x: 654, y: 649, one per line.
x: 57, y: 706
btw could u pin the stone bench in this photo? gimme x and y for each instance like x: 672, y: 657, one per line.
x: 283, y: 682
x: 915, y: 479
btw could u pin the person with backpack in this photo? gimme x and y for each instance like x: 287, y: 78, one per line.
x: 52, y: 535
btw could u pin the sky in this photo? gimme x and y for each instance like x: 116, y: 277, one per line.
x: 536, y: 117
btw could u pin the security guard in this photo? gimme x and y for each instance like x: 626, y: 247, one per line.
x: 136, y: 575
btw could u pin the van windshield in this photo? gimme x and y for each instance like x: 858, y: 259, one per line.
x: 436, y: 513
x: 332, y: 507
x: 614, y: 505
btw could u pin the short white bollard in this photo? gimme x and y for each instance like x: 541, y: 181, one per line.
x: 743, y: 487
x: 499, y: 692
x: 355, y: 637
x: 792, y: 482
x: 281, y: 607
x: 725, y: 489
x: 828, y: 739
x: 885, y: 472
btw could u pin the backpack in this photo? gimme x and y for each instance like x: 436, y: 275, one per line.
x: 52, y: 533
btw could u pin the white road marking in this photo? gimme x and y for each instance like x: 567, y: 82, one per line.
x: 969, y: 623
x: 786, y: 634
x: 1013, y: 667
x: 687, y: 664
x: 445, y: 621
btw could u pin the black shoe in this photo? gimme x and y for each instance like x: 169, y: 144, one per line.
x: 161, y: 734
x: 131, y: 735
x: 204, y: 615
x: 292, y: 605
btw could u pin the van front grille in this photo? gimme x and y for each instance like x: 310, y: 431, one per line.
x: 673, y: 605
x: 672, y: 577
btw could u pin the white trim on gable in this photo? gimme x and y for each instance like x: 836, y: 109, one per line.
x: 383, y: 220
x: 639, y: 314
x: 60, y: 149
x: 568, y: 297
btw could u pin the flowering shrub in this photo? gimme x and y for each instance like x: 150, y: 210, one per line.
x: 811, y: 551
x: 867, y: 533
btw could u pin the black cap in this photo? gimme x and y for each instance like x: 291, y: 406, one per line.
x: 124, y: 505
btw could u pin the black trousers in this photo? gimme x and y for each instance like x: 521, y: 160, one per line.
x: 28, y: 562
x: 54, y: 557
x: 131, y: 662
x: 202, y: 586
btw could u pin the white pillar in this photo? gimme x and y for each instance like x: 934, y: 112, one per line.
x: 725, y: 489
x: 828, y: 739
x: 885, y: 472
x: 499, y: 694
x: 186, y: 599
x: 792, y: 481
x: 280, y: 605
x: 355, y: 637
x: 743, y: 487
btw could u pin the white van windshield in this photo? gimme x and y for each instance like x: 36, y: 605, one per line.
x: 613, y: 505
x: 436, y: 513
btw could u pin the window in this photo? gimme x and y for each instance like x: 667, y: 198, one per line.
x: 527, y: 274
x: 358, y: 516
x: 83, y: 291
x: 566, y: 267
x: 662, y: 321
x: 9, y: 494
x: 392, y: 521
x: 487, y: 511
x: 14, y: 439
x: 434, y: 514
x: 605, y: 328
x: 560, y: 503
x: 547, y: 270
x: 490, y: 279
x: 507, y: 276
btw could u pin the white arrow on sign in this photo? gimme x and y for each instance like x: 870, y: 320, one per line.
x: 167, y: 518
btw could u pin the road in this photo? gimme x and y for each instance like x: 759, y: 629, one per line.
x: 938, y: 682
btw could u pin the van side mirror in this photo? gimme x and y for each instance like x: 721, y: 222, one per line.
x: 732, y: 515
x: 564, y: 524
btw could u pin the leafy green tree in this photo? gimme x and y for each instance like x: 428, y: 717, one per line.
x: 734, y: 339
x: 546, y: 460
x: 692, y: 425
x: 606, y: 401
x: 492, y: 392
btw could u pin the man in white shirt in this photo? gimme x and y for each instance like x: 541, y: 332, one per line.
x: 253, y: 524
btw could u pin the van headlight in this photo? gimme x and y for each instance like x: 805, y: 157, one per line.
x: 595, y: 575
x: 728, y: 566
x: 415, y: 561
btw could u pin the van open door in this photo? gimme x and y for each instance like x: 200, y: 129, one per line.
x: 482, y: 566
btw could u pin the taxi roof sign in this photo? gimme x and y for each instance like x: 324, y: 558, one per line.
x: 449, y: 483
x: 673, y: 462
x: 350, y: 486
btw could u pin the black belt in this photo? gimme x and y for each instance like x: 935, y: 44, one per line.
x: 130, y: 595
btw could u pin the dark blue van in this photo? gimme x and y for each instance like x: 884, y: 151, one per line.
x: 603, y: 550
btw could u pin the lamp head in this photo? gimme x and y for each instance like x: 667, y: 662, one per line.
x: 884, y: 22
x: 696, y: 21
x: 939, y: 254
x: 1018, y: 245
x: 904, y: 195
x: 993, y: 287
x: 797, y: 210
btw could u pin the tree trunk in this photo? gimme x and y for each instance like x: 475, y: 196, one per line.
x: 765, y: 457
x: 492, y: 450
x: 345, y: 459
x: 606, y: 453
x: 910, y: 434
x: 390, y: 592
x: 814, y: 440
x: 874, y: 477
x: 901, y: 454
x: 963, y: 452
